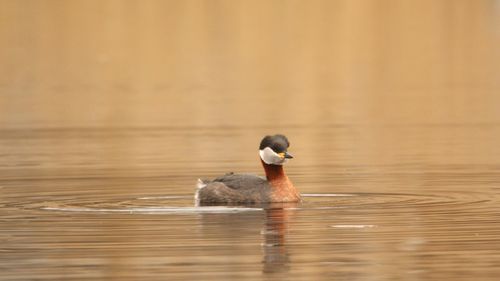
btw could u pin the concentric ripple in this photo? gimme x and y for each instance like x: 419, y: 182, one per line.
x: 177, y: 204
x: 391, y: 200
x: 157, y: 210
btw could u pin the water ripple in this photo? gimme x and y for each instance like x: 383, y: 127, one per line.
x: 158, y: 210
x: 177, y: 204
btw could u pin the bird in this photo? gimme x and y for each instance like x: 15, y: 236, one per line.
x: 233, y: 188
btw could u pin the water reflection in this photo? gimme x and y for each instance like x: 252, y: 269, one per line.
x: 276, y: 256
x: 242, y: 226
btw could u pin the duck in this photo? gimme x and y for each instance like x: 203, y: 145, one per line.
x: 233, y: 188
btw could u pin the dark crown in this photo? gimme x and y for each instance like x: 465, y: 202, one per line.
x: 278, y: 143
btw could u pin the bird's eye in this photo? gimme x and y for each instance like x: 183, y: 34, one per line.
x: 278, y: 148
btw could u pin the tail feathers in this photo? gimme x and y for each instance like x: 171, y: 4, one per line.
x: 201, y: 184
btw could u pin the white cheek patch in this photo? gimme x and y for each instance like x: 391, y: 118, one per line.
x: 270, y: 157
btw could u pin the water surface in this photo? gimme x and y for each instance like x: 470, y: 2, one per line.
x: 132, y: 216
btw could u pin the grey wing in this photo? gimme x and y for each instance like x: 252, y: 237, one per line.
x: 242, y: 181
x: 217, y: 192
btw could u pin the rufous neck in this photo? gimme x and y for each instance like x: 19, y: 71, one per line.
x: 274, y: 172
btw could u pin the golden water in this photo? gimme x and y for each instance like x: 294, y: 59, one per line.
x: 110, y: 111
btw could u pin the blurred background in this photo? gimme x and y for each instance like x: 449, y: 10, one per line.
x: 248, y: 63
x: 152, y: 86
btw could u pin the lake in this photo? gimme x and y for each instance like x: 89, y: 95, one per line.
x: 110, y: 111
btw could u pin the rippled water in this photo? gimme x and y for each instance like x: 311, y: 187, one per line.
x: 111, y: 110
x: 131, y: 215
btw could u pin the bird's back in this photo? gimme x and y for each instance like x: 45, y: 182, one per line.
x: 234, y: 188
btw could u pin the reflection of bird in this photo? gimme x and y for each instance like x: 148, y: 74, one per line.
x: 238, y: 232
x: 246, y: 188
x: 276, y: 257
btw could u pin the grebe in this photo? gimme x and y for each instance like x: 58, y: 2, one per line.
x: 247, y: 188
